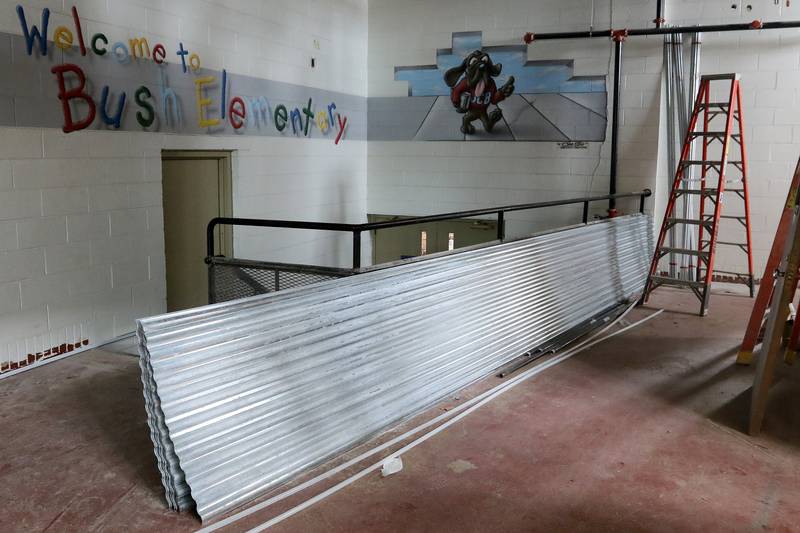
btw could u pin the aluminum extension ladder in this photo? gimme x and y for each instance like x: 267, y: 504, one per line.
x: 714, y: 177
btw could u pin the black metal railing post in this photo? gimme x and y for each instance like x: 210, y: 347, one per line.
x: 356, y: 249
x: 212, y: 225
x: 501, y: 225
x: 212, y: 286
x: 585, y: 212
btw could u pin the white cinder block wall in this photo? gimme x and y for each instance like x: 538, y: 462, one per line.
x: 81, y: 223
x: 418, y: 178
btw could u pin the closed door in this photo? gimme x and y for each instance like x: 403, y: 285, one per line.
x: 196, y: 189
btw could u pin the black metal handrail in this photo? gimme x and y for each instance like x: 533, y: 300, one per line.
x: 357, y: 229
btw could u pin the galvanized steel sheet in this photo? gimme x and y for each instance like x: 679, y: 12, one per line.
x: 244, y: 395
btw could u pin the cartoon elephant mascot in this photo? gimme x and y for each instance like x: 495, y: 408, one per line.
x: 474, y: 90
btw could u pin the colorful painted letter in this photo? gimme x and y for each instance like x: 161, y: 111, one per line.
x: 141, y: 96
x: 116, y: 120
x: 74, y: 93
x: 34, y: 32
x: 203, y: 102
x: 236, y: 112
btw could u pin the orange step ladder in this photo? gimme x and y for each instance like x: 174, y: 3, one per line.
x: 767, y: 286
x: 783, y: 292
x: 714, y: 178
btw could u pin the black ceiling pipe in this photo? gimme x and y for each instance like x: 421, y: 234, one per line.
x: 755, y: 25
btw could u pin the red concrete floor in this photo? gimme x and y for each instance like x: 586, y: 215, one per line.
x: 641, y: 433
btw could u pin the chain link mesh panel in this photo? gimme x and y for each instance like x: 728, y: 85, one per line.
x: 231, y: 279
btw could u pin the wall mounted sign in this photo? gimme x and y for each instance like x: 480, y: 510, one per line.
x: 152, y: 88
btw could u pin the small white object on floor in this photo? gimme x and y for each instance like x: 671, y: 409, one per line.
x: 390, y: 466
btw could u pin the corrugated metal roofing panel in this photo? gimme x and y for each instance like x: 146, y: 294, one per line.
x: 244, y: 395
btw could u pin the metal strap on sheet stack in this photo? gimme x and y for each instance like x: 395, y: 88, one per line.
x: 242, y: 396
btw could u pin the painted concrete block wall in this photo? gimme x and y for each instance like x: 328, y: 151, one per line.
x: 81, y: 222
x: 82, y: 248
x: 418, y: 178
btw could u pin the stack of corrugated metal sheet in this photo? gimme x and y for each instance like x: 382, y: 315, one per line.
x: 244, y: 395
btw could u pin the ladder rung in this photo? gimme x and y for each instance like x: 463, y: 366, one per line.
x: 734, y: 217
x: 687, y: 162
x: 739, y: 274
x: 682, y: 251
x: 700, y: 180
x: 690, y: 221
x: 722, y: 106
x: 677, y: 282
x: 723, y: 243
x: 722, y: 111
x: 706, y: 192
x: 713, y: 77
x: 703, y: 192
x: 712, y: 134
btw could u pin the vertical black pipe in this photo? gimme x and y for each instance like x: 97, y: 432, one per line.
x: 356, y: 249
x: 659, y: 13
x: 612, y: 186
x: 585, y: 212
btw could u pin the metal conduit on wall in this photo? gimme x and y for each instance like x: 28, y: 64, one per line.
x: 245, y: 395
x: 680, y: 96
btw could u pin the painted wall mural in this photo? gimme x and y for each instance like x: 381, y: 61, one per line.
x: 473, y: 90
x: 61, y: 77
x: 477, y: 92
x: 57, y: 76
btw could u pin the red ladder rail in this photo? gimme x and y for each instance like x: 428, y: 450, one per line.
x: 745, y: 185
